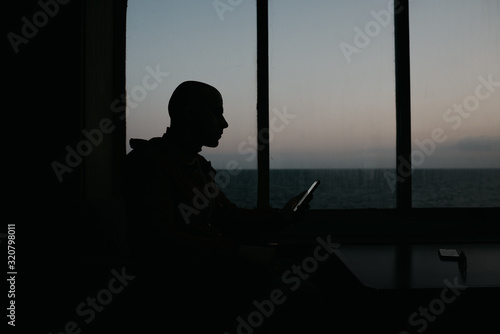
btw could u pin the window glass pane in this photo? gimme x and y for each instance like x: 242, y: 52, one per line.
x: 332, y: 102
x: 455, y: 78
x: 203, y: 41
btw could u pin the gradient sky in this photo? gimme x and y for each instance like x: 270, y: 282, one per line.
x: 331, y: 78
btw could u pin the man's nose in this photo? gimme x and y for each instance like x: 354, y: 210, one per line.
x: 224, y: 123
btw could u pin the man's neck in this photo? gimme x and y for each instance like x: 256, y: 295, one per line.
x: 183, y: 140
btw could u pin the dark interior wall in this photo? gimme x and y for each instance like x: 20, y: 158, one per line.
x: 104, y: 90
x: 66, y: 66
x: 44, y: 70
x: 64, y: 139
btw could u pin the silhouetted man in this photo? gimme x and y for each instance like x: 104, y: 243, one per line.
x: 195, y: 250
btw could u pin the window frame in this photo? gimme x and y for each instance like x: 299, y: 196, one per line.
x: 403, y: 104
x: 403, y: 223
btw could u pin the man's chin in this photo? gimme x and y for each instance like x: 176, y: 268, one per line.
x: 212, y: 144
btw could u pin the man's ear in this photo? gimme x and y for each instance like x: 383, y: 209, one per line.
x: 189, y: 113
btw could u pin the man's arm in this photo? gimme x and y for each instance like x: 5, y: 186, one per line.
x: 155, y: 224
x: 249, y: 224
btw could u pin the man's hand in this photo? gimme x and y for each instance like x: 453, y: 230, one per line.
x: 295, y: 200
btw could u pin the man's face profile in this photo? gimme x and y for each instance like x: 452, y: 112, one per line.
x: 210, y: 121
x: 196, y: 109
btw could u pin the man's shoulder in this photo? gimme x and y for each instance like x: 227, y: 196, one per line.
x: 204, y: 163
x: 148, y: 152
x: 157, y: 151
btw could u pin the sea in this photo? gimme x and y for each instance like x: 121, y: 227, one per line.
x: 366, y: 188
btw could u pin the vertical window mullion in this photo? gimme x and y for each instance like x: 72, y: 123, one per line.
x: 403, y: 107
x: 262, y: 104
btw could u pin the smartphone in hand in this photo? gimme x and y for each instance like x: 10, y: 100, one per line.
x: 308, y: 193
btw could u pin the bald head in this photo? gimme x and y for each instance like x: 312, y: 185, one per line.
x: 195, y: 109
x: 191, y: 98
